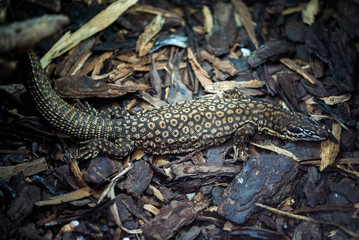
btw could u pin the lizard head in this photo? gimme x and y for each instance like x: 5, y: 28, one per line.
x: 302, y: 127
x: 297, y: 126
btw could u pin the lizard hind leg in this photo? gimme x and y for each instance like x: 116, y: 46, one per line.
x: 241, y: 138
x: 117, y: 150
x: 113, y: 112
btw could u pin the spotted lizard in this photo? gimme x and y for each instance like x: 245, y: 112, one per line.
x: 177, y: 128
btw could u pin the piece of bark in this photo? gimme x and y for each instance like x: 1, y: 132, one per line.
x: 199, y: 72
x: 309, y: 12
x: 155, y: 79
x: 53, y: 5
x: 127, y: 218
x: 317, y: 90
x: 28, y: 169
x: 347, y: 188
x: 85, y: 87
x: 6, y: 68
x: 216, y: 155
x: 12, y: 92
x: 348, y: 17
x: 202, y: 171
x: 171, y: 218
x: 272, y: 51
x: 153, y: 10
x: 307, y: 230
x: 22, y: 36
x: 100, y: 169
x: 138, y: 178
x: 289, y: 86
x: 64, y: 67
x: 316, y: 192
x: 178, y: 91
x: 23, y: 203
x: 223, y: 32
x: 267, y: 179
x: 333, y: 47
x: 295, y: 29
x: 223, y: 65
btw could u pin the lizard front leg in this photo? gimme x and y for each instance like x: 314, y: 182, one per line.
x: 235, y: 93
x: 118, y: 149
x: 241, y: 138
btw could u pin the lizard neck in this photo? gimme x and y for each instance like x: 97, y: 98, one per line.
x: 268, y: 117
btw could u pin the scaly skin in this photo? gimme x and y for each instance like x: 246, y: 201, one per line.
x: 177, y: 128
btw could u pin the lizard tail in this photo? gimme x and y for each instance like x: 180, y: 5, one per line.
x: 59, y: 113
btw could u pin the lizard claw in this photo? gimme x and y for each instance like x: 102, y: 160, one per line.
x: 235, y: 157
x: 88, y: 151
x: 240, y: 153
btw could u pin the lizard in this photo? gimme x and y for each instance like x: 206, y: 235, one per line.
x: 172, y: 129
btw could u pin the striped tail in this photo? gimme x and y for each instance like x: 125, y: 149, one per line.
x: 59, y: 113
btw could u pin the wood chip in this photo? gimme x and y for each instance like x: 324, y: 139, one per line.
x: 246, y: 19
x: 329, y: 148
x: 276, y: 150
x: 331, y: 100
x: 308, y: 14
x: 143, y: 44
x: 28, y: 169
x: 152, y: 209
x: 96, y: 24
x: 157, y: 193
x: 199, y: 72
x: 208, y: 19
x: 223, y: 65
x: 295, y: 67
x: 155, y: 11
x: 68, y: 197
x: 222, y: 86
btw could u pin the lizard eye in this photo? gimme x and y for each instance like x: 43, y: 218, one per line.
x: 294, y: 130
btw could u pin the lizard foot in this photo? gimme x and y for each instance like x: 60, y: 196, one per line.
x: 240, y: 153
x: 88, y: 150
